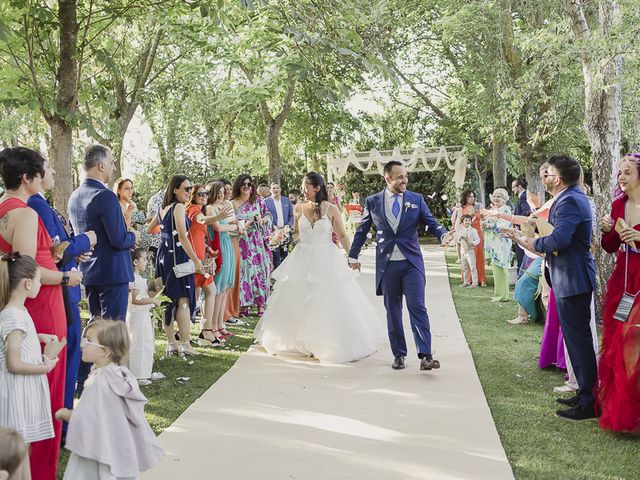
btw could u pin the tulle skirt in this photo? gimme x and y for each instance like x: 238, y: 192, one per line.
x: 317, y: 308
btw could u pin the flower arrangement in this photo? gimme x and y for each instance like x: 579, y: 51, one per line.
x: 281, y: 237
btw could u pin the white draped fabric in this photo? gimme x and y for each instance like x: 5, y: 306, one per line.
x: 417, y: 160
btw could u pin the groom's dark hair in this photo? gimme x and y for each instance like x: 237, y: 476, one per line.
x: 389, y: 165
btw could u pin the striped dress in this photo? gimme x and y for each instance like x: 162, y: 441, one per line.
x: 24, y: 399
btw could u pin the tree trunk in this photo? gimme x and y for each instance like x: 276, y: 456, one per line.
x: 532, y: 175
x: 61, y: 155
x: 481, y: 176
x: 499, y: 153
x: 273, y: 152
x: 61, y: 131
x: 603, y: 107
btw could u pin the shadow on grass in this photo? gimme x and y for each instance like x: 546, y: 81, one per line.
x: 521, y: 398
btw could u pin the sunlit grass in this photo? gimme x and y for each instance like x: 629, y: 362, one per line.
x: 522, y: 402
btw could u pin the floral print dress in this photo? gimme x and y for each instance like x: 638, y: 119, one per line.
x: 497, y: 248
x: 255, y: 258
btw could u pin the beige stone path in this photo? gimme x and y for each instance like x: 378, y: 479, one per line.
x: 274, y: 418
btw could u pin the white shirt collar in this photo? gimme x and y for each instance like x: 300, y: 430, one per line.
x: 388, y: 194
x: 557, y: 195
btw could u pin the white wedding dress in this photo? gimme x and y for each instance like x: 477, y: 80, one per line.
x: 317, y: 308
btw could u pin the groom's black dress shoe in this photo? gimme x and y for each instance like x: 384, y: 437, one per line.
x: 569, y: 402
x: 428, y: 363
x: 398, y: 363
x: 579, y: 412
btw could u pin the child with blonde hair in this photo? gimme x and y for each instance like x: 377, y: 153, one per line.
x: 13, y: 456
x: 108, y: 435
x: 25, y: 404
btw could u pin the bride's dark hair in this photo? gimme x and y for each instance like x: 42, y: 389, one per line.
x: 316, y: 180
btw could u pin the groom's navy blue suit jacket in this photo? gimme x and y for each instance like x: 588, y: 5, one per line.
x: 414, y: 212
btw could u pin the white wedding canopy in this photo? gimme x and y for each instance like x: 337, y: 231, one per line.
x: 417, y: 160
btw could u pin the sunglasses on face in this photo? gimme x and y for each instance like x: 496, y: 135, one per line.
x: 202, y: 194
x: 247, y: 184
x: 188, y: 189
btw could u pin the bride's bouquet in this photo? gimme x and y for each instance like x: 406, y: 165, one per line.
x: 281, y: 237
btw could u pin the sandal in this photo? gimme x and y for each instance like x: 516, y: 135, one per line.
x: 224, y: 333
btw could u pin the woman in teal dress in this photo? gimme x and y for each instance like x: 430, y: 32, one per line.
x: 498, y: 248
x: 224, y: 278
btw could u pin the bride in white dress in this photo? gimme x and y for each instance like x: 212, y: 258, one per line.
x: 317, y: 307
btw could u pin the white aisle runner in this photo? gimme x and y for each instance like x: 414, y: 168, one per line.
x: 272, y: 418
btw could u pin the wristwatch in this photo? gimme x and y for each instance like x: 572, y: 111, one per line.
x: 65, y: 279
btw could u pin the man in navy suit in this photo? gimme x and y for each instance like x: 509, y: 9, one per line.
x: 396, y: 213
x: 519, y: 189
x: 93, y: 206
x: 571, y: 274
x: 282, y: 212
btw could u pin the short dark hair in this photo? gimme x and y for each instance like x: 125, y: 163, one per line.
x: 466, y: 216
x: 16, y: 162
x: 263, y: 185
x: 95, y: 155
x: 389, y: 165
x: 521, y: 182
x: 225, y: 181
x: 568, y: 168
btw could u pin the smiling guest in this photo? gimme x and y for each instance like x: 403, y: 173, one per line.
x: 176, y: 250
x: 282, y: 213
x: 572, y: 276
x: 618, y: 393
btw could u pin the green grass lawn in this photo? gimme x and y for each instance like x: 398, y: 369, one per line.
x: 522, y: 402
x: 170, y: 397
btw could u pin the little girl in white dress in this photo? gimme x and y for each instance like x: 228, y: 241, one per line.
x: 25, y: 405
x: 139, y: 321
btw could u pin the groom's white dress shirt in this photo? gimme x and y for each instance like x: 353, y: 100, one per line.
x: 394, y: 222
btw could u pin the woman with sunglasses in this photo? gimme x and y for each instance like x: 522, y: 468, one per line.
x: 255, y: 261
x: 175, y: 249
x: 198, y: 236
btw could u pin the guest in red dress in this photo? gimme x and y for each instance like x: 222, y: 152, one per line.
x: 22, y: 230
x: 618, y: 393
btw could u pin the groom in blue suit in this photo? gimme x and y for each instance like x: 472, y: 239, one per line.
x: 396, y: 213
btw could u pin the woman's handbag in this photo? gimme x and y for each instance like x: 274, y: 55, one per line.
x: 182, y: 269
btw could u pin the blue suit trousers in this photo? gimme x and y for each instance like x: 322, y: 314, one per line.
x: 400, y: 279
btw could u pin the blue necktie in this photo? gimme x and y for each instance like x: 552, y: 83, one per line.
x: 395, y: 209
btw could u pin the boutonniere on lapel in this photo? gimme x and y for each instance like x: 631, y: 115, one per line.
x: 409, y: 205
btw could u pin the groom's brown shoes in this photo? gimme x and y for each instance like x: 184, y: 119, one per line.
x: 428, y: 363
x: 398, y: 363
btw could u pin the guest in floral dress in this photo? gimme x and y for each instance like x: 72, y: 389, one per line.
x: 255, y: 261
x: 498, y: 248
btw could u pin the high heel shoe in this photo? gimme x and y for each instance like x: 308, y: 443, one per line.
x: 171, y: 349
x: 187, y: 349
x: 205, y: 342
x: 224, y: 333
x: 202, y: 340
